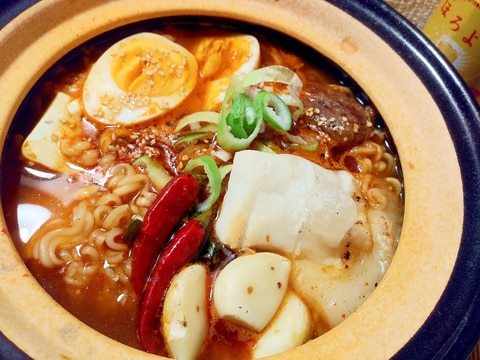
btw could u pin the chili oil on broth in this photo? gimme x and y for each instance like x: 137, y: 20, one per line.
x: 95, y: 285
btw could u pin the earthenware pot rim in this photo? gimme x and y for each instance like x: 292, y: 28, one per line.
x: 458, y: 316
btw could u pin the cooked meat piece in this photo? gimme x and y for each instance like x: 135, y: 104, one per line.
x: 334, y: 111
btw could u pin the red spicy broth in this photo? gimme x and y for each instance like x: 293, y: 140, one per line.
x: 32, y: 195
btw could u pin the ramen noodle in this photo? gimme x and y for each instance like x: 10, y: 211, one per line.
x: 297, y: 177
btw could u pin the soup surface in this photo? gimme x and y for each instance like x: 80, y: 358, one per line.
x: 202, y: 192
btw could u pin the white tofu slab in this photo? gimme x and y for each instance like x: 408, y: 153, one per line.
x: 42, y: 144
x: 287, y: 203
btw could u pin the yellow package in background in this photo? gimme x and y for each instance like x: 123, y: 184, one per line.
x: 454, y: 27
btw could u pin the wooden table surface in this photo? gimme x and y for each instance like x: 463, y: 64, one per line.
x: 417, y: 11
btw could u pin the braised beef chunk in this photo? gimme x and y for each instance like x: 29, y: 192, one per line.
x: 333, y: 110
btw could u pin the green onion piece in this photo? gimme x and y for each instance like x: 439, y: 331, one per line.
x: 205, y: 217
x: 302, y: 142
x: 214, y: 179
x: 196, y: 118
x: 225, y: 170
x: 190, y: 138
x: 234, y: 131
x: 274, y: 110
x: 208, y: 128
x: 265, y: 147
x: 274, y: 73
x: 293, y: 101
x: 133, y: 229
x: 212, y: 250
x: 283, y: 75
x: 155, y: 171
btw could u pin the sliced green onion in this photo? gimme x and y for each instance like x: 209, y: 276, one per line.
x: 155, y: 171
x: 209, y: 128
x: 235, y: 85
x: 225, y: 170
x: 302, y: 142
x: 283, y: 75
x: 212, y: 250
x: 274, y: 73
x: 265, y: 147
x: 221, y: 154
x: 234, y: 131
x: 190, y: 138
x: 133, y: 229
x: 293, y: 101
x: 214, y: 179
x: 196, y: 118
x: 274, y: 110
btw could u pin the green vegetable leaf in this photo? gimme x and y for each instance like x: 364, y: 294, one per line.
x: 133, y: 229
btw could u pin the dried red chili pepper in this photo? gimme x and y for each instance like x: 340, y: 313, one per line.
x: 168, y: 209
x: 183, y: 247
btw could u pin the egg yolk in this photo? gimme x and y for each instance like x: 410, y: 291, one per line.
x: 145, y: 70
x: 221, y: 57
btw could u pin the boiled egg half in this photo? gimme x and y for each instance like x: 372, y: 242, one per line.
x: 219, y: 58
x: 140, y: 77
